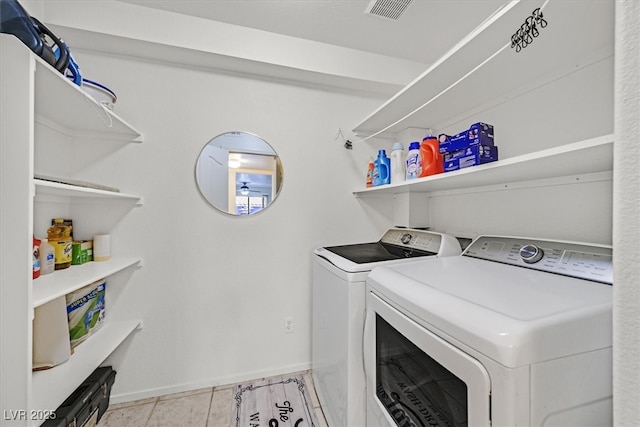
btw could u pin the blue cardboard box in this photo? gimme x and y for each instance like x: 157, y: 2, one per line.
x: 478, y: 134
x: 470, y: 156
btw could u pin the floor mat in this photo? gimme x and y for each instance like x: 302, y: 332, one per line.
x: 273, y: 402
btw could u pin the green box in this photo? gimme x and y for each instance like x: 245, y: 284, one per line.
x: 81, y: 252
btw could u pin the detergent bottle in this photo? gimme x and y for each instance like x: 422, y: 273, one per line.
x: 36, y: 257
x: 381, y: 169
x: 414, y: 161
x: 59, y: 236
x: 432, y: 161
x: 398, y: 158
x: 370, y: 173
x: 47, y: 257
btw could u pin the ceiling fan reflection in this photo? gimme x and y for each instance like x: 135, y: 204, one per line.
x: 244, y: 189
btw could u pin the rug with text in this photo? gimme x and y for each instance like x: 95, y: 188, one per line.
x: 273, y: 402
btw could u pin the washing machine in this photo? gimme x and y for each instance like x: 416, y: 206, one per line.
x: 513, y: 332
x: 339, y: 274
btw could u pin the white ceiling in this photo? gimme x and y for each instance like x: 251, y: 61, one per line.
x: 423, y: 33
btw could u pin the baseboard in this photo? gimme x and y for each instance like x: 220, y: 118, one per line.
x: 206, y: 383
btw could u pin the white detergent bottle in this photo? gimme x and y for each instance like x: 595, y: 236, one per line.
x: 47, y: 257
x: 414, y: 161
x: 398, y: 165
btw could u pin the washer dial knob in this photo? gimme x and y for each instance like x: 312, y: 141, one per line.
x: 405, y: 238
x: 531, y: 254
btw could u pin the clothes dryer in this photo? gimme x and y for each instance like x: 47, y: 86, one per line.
x: 339, y: 274
x: 514, y: 332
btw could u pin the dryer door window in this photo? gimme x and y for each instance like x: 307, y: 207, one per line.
x: 413, y: 385
x: 420, y: 379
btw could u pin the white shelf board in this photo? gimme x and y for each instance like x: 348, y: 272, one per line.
x: 66, y: 190
x: 484, y: 70
x: 61, y: 282
x: 52, y: 386
x: 583, y: 157
x: 79, y: 115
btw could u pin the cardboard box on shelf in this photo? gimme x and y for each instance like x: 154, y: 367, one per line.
x: 470, y: 156
x: 478, y: 134
x: 81, y: 252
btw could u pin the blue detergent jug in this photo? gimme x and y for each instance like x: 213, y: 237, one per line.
x: 381, y: 169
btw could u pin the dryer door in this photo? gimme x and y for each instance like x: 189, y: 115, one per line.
x: 416, y: 378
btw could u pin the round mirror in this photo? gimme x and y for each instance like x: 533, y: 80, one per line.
x: 238, y: 173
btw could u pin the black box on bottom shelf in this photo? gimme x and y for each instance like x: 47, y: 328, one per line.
x: 87, y: 403
x: 105, y: 377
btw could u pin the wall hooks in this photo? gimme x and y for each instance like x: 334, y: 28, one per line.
x: 347, y: 144
x: 524, y: 36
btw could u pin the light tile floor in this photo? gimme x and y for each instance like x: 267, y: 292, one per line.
x: 207, y: 407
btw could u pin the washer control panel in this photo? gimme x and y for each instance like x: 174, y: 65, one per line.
x: 422, y: 240
x: 580, y: 260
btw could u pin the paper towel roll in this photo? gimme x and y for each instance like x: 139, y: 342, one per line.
x: 51, y: 344
x: 101, y: 247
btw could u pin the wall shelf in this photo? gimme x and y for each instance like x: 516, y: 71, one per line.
x: 52, y: 386
x: 61, y: 282
x: 583, y: 157
x: 80, y: 115
x: 73, y: 191
x: 483, y: 70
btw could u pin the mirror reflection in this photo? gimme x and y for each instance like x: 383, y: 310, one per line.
x: 238, y: 173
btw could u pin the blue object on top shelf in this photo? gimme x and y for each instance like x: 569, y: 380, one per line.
x: 381, y: 169
x: 15, y: 20
x: 72, y: 72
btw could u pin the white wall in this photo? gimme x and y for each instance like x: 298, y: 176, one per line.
x: 214, y: 290
x: 626, y: 317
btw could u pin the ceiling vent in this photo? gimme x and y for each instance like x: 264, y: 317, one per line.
x: 390, y: 9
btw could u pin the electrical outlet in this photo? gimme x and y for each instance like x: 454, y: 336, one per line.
x: 288, y: 325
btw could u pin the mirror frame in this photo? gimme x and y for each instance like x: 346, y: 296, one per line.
x: 230, y: 176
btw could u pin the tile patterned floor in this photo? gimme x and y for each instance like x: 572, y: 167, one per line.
x: 208, y: 407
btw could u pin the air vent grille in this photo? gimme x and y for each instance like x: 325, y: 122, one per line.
x: 390, y: 9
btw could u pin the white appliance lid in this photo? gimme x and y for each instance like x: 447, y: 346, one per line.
x: 515, y: 316
x: 397, y: 245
